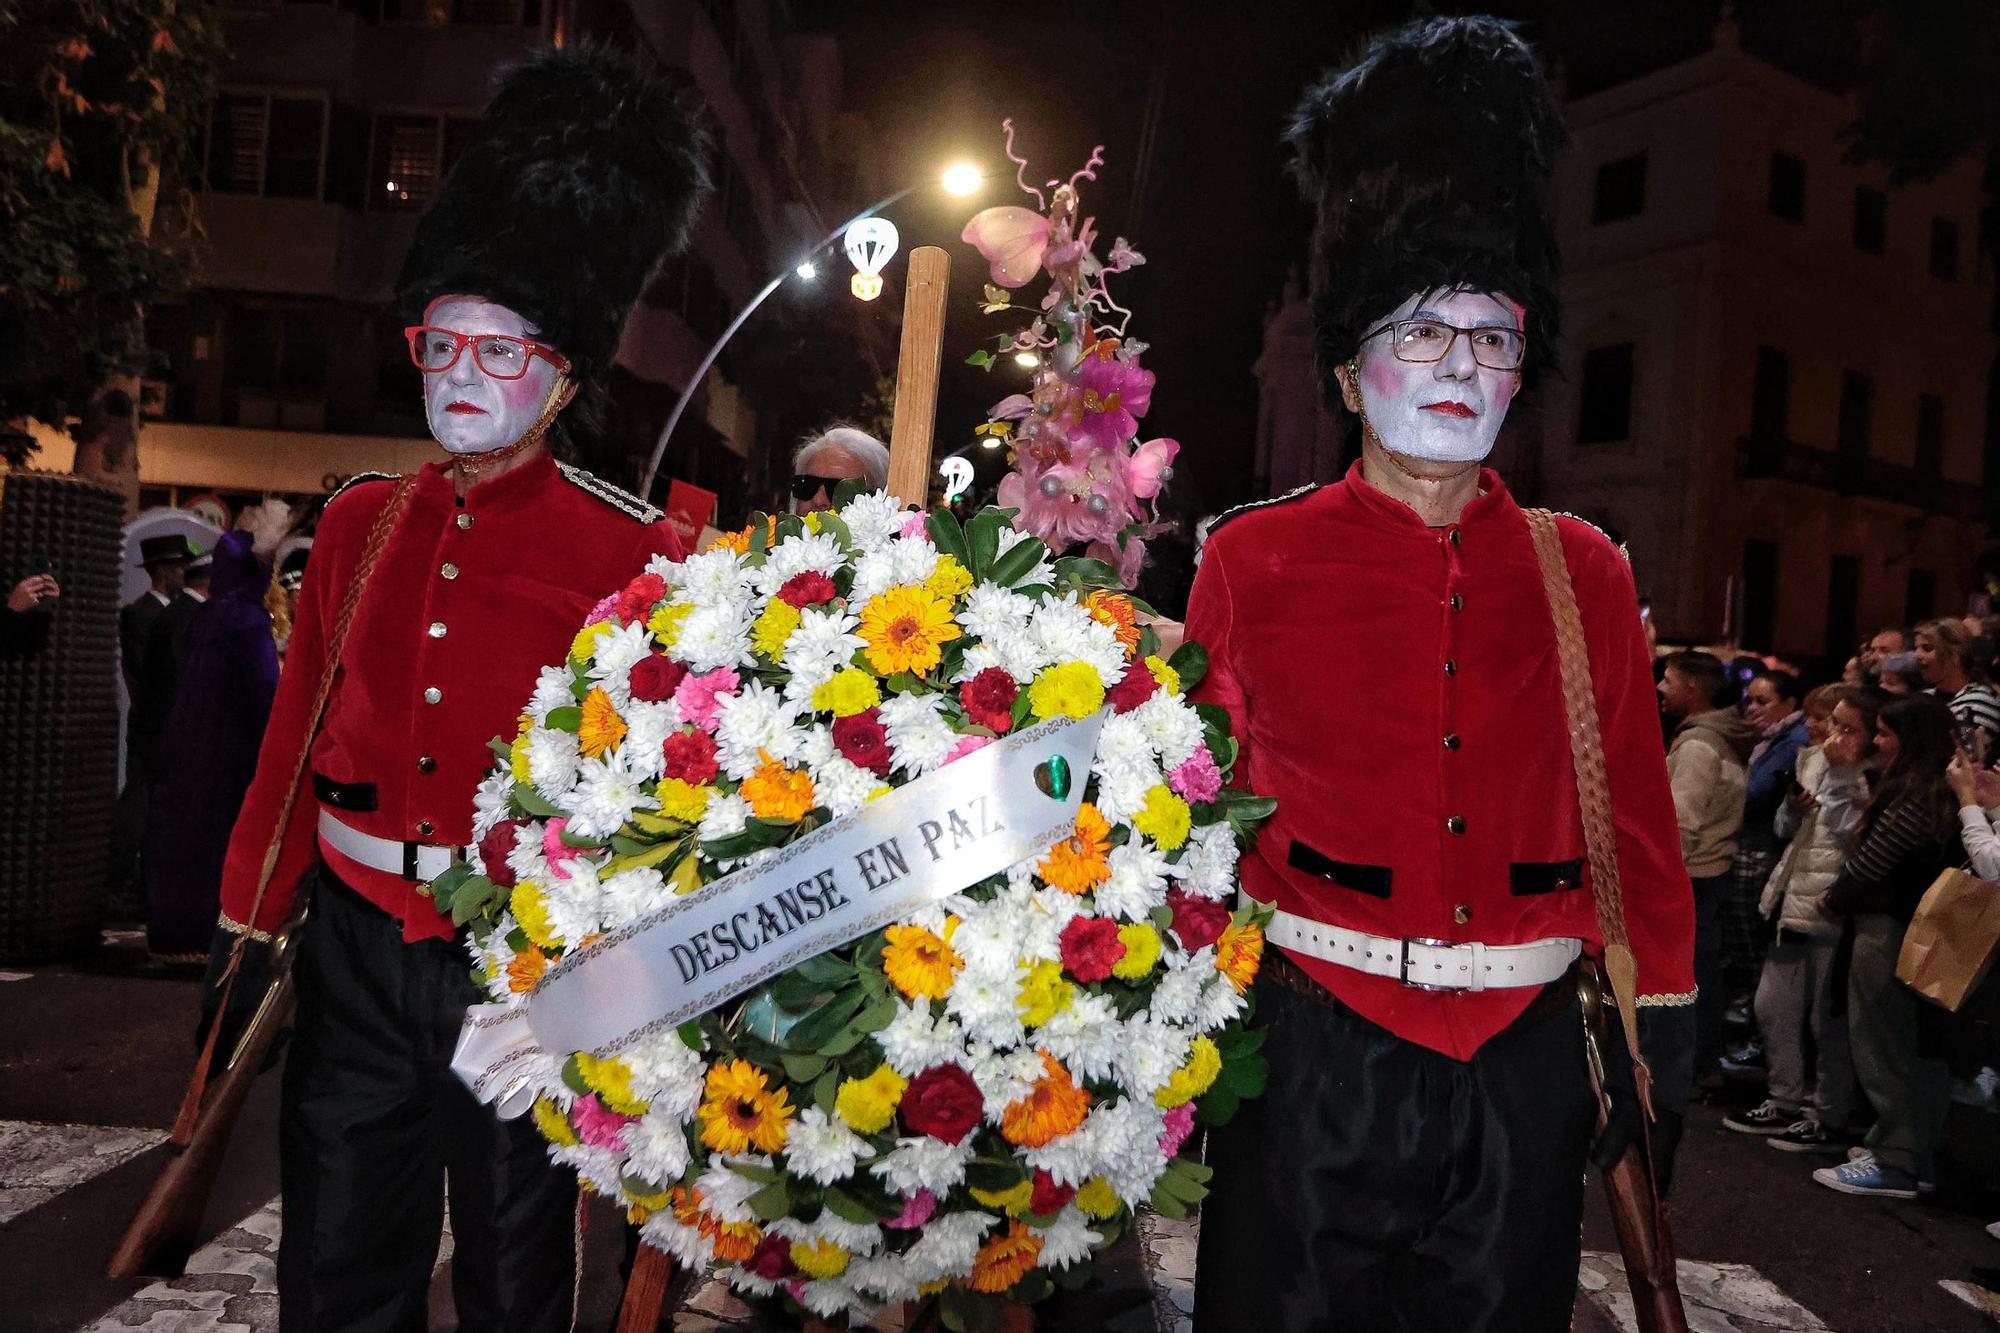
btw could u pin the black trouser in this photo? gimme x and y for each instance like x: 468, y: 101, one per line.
x: 373, y: 1122
x: 1380, y: 1187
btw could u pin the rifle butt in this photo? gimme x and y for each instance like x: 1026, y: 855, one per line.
x: 1646, y: 1243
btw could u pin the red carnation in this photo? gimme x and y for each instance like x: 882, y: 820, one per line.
x: 942, y: 1102
x: 690, y: 756
x: 1049, y: 1197
x: 1133, y: 688
x: 1091, y: 947
x: 636, y: 602
x: 772, y: 1260
x: 989, y: 699
x: 493, y: 849
x: 655, y: 677
x: 1198, y: 921
x: 863, y: 741
x: 807, y: 589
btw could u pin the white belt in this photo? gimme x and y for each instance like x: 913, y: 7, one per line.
x: 420, y: 862
x: 1427, y: 964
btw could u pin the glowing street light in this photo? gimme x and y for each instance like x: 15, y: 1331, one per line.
x: 807, y: 270
x: 1027, y: 360
x: 962, y: 178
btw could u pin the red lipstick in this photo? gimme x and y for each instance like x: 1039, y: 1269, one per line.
x: 465, y: 409
x: 1450, y: 409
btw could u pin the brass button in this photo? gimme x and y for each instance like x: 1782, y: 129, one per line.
x: 1451, y: 740
x: 425, y: 828
x: 464, y: 521
x: 1453, y: 539
x: 1456, y: 824
x: 1461, y: 914
x: 1561, y: 885
x: 426, y: 764
x: 433, y: 695
x: 450, y: 571
x: 437, y: 629
x: 1457, y: 602
x: 1451, y: 666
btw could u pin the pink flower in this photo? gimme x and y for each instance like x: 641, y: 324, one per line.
x: 1198, y: 779
x: 966, y: 745
x: 558, y: 852
x: 597, y: 1125
x: 700, y: 696
x: 917, y: 1210
x: 1012, y: 241
x: 1115, y: 395
x: 1149, y: 467
x: 913, y: 526
x: 1179, y: 1124
x: 602, y: 611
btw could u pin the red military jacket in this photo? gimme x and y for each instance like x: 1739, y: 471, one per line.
x: 1395, y: 687
x: 468, y: 601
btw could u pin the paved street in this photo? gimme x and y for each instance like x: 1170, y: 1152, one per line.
x: 93, y: 1054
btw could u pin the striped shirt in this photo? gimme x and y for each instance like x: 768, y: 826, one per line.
x: 1892, y: 864
x: 1977, y: 708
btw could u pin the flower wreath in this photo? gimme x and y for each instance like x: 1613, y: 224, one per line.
x: 969, y: 1103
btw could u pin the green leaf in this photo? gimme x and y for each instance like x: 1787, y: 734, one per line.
x: 690, y: 1034
x: 1190, y: 663
x: 803, y: 1068
x: 763, y: 1175
x: 993, y: 1175
x: 825, y: 970
x: 981, y: 358
x: 444, y: 886
x: 835, y: 524
x: 568, y: 718
x: 502, y: 751
x: 948, y: 536
x: 531, y: 802
x: 1017, y: 560
x: 1088, y: 573
x: 572, y: 1077
x: 645, y: 860
x: 846, y: 491
x: 850, y: 1209
x: 772, y: 1202
x: 812, y: 1032
x: 825, y: 1088
x: 982, y: 538
x: 1033, y: 1286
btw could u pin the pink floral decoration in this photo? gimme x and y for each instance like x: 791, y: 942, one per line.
x: 1115, y: 395
x: 1198, y: 779
x: 700, y: 696
x: 1179, y: 1124
x: 603, y: 610
x: 598, y: 1125
x: 966, y: 745
x: 557, y: 852
x: 917, y: 1210
x: 913, y: 526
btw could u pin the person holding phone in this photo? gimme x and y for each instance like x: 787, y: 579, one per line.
x: 24, y: 624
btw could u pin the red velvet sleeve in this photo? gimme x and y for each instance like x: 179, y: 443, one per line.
x: 1210, y: 622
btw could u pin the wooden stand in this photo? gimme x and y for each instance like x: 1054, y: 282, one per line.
x: 910, y: 437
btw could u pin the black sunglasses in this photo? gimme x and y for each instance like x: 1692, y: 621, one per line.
x: 805, y: 485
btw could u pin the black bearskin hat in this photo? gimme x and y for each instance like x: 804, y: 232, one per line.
x: 582, y: 176
x: 1427, y: 164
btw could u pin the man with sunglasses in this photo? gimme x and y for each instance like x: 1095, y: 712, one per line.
x: 452, y: 588
x: 1388, y: 655
x: 831, y: 457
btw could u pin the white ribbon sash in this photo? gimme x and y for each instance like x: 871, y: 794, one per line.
x: 918, y: 845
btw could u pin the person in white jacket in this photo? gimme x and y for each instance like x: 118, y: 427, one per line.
x: 1978, y: 792
x: 1806, y: 1106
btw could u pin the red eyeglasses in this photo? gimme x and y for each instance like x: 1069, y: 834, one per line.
x: 503, y: 357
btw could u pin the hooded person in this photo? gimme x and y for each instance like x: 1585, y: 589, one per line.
x: 440, y: 596
x: 1387, y: 653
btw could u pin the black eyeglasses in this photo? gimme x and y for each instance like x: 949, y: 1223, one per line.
x: 805, y: 485
x: 1424, y: 341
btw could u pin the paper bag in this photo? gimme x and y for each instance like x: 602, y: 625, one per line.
x: 1951, y: 943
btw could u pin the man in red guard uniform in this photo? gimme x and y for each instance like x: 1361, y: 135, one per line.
x: 1388, y: 656
x: 484, y: 564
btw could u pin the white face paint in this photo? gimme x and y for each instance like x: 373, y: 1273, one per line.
x: 470, y: 411
x: 1444, y: 411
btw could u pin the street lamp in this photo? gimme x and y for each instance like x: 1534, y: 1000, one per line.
x: 960, y: 179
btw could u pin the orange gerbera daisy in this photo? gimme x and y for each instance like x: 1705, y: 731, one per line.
x: 919, y: 962
x: 777, y: 792
x: 1117, y: 611
x: 740, y: 1112
x: 739, y: 542
x: 905, y: 629
x: 601, y: 728
x: 1055, y: 1106
x: 525, y: 969
x: 1082, y: 861
x: 1239, y: 953
x: 1005, y: 1259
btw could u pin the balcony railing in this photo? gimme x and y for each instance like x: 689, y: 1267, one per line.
x: 1767, y: 458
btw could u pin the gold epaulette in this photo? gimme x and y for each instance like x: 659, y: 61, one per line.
x: 1296, y: 493
x: 357, y: 479
x: 1618, y: 545
x: 622, y: 500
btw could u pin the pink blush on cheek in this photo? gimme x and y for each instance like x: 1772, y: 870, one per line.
x: 1379, y: 374
x: 524, y: 394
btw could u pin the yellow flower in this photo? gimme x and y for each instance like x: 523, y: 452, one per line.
x: 611, y: 1079
x: 1192, y: 1079
x: 949, y: 578
x: 1082, y: 861
x: 776, y: 792
x: 1239, y: 953
x: 920, y: 963
x: 1044, y: 993
x: 586, y: 639
x: 1170, y: 679
x: 1164, y: 818
x: 1012, y: 1202
x: 682, y: 800
x: 1142, y: 950
x: 1055, y: 1106
x: 905, y: 629
x: 1069, y: 689
x: 735, y: 1242
x: 813, y: 521
x: 1098, y: 1199
x: 773, y: 627
x: 848, y: 693
x: 525, y: 968
x: 740, y: 1112
x: 549, y: 1118
x: 517, y: 759
x: 821, y: 1259
x: 665, y: 622
x: 531, y: 913
x: 601, y: 728
x: 869, y: 1104
x: 1117, y: 611
x: 1005, y: 1259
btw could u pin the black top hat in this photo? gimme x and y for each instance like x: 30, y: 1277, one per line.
x: 175, y: 550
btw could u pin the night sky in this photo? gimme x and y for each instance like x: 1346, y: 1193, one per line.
x: 1210, y: 204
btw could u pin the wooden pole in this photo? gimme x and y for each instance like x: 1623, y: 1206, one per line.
x: 645, y: 1291
x: 917, y: 374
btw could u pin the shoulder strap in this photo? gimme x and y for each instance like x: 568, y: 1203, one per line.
x: 1593, y: 786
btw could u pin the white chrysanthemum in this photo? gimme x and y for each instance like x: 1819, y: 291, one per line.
x: 822, y: 1148
x: 1208, y: 863
x: 525, y: 858
x: 1004, y: 1077
x: 552, y: 760
x: 1173, y: 726
x: 727, y: 1194
x: 667, y: 1073
x: 913, y: 1042
x: 883, y: 1276
x: 613, y: 657
x: 715, y: 636
x: 726, y: 816
x: 854, y: 1237
x: 689, y: 1247
x: 1137, y: 883
x: 603, y: 798
x: 668, y: 568
x: 647, y: 726
x: 599, y: 1166
x: 985, y: 1001
x: 906, y: 560
x: 842, y: 787
x: 657, y: 1148
x: 492, y: 956
x: 825, y: 638
x: 827, y: 1297
x: 574, y: 903
x: 919, y: 737
x: 489, y: 807
x: 751, y: 723
x: 873, y: 518
x: 743, y: 1280
x: 1122, y: 743
x: 1121, y: 793
x: 629, y: 895
x: 989, y: 933
x: 991, y: 611
x: 552, y: 691
x: 924, y: 1163
x: 1126, y: 1135
x: 1148, y: 1055
x: 1176, y: 997
x: 1066, y: 632
x: 807, y: 553
x: 1067, y: 1240
x: 1012, y: 648
x: 1220, y: 1004
x: 948, y: 1246
x: 714, y: 576
x: 1084, y: 1036
x: 1043, y: 571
